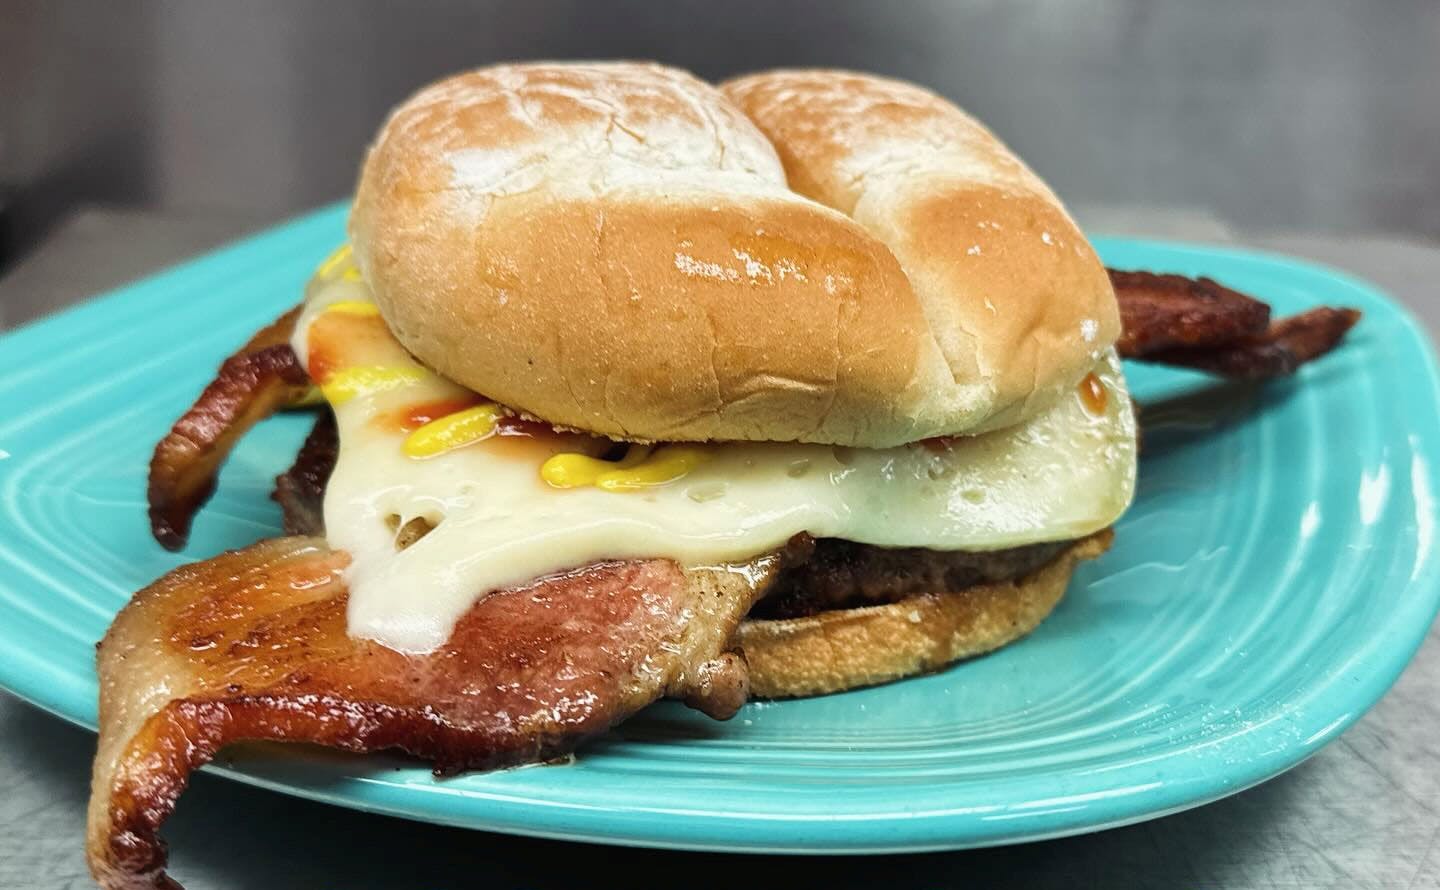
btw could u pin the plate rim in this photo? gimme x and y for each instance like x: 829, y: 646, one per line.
x: 1405, y: 628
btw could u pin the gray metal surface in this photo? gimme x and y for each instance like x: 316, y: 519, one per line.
x: 1364, y: 813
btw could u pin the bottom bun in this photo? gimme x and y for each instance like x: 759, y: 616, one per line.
x: 849, y: 648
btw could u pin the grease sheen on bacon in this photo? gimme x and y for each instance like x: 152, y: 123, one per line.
x: 252, y: 645
x: 1199, y: 323
x: 262, y: 377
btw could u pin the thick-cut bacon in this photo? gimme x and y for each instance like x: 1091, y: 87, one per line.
x: 263, y: 376
x: 1201, y: 324
x: 1167, y: 311
x: 252, y: 645
x: 1285, y: 346
x: 300, y: 490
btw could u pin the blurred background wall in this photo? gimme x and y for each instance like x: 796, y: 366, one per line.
x: 1287, y: 114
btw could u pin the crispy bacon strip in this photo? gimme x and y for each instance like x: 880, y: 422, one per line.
x: 1199, y: 323
x: 1285, y: 346
x: 1160, y: 312
x: 252, y: 645
x: 263, y: 376
x: 300, y: 490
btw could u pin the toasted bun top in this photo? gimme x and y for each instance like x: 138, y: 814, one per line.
x: 798, y: 256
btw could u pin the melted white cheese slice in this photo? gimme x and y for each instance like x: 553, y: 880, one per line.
x: 1066, y: 473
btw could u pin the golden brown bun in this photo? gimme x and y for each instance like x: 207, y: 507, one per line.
x: 1016, y: 298
x: 614, y: 247
x: 849, y: 648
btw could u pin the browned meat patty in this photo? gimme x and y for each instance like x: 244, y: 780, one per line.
x: 845, y: 575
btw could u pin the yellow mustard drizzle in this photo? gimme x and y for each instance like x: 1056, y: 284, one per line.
x: 452, y: 431
x: 640, y: 468
x: 643, y: 466
x: 338, y: 264
x: 342, y: 385
x: 579, y: 470
x: 358, y: 308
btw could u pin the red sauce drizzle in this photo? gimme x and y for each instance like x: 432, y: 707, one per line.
x: 323, y: 359
x: 1092, y: 394
x: 415, y: 416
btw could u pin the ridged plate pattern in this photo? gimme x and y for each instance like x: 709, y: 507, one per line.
x: 1274, y: 577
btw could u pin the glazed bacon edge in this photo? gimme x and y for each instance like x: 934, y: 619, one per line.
x: 252, y: 645
x: 1201, y: 324
x: 264, y: 376
x: 1280, y: 350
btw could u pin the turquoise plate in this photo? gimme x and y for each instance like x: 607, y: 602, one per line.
x: 1274, y: 577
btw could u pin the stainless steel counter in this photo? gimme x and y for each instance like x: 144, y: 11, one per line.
x: 1364, y: 813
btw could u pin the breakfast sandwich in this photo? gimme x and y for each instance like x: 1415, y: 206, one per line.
x: 633, y: 387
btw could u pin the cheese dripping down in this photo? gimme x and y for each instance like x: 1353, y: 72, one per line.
x: 512, y: 500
